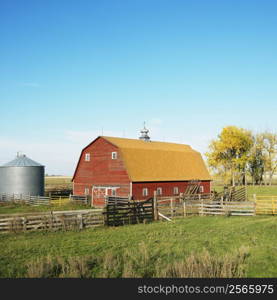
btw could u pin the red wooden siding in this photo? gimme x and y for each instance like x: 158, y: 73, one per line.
x: 101, y: 170
x: 167, y: 188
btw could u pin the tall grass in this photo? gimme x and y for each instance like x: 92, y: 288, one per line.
x: 207, y: 266
x: 142, y: 264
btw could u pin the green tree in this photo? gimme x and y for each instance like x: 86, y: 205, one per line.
x: 270, y: 153
x: 257, y: 160
x: 229, y: 153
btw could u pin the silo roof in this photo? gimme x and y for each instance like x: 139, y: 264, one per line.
x: 22, y: 161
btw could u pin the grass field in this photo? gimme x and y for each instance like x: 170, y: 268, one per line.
x: 189, y: 247
x: 60, y: 182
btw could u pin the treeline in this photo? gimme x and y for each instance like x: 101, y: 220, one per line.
x: 238, y: 154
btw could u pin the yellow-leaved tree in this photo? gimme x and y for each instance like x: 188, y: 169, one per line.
x: 228, y: 154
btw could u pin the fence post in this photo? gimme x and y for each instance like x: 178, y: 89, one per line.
x: 60, y: 200
x: 24, y: 223
x: 184, y: 205
x: 221, y: 205
x: 255, y: 208
x: 171, y: 207
x: 92, y: 197
x: 156, y: 209
x: 202, y: 208
x: 80, y: 218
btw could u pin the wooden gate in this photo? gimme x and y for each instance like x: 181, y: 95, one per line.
x: 265, y: 205
x: 121, y: 211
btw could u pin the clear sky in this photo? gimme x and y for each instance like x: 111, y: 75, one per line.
x: 72, y: 69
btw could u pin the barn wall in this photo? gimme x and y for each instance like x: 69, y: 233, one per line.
x: 167, y: 188
x: 101, y: 170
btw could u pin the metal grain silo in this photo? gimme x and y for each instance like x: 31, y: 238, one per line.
x: 22, y: 176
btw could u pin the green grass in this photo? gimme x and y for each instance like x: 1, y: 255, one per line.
x: 212, y: 244
x: 13, y: 208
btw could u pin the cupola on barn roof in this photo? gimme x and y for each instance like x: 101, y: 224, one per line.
x: 144, y: 134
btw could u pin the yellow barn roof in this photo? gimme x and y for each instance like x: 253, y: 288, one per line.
x: 159, y: 161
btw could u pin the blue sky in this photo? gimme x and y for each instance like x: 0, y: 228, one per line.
x: 70, y: 69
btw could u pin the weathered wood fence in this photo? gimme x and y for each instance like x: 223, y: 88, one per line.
x: 41, y: 200
x: 227, y: 208
x: 51, y: 221
x: 121, y: 211
x: 180, y: 206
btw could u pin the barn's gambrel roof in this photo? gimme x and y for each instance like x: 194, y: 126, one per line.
x: 159, y: 161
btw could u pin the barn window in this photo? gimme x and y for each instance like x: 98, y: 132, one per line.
x: 114, y: 155
x: 113, y: 192
x: 159, y: 191
x: 86, y: 191
x: 176, y: 190
x: 145, y: 192
x: 201, y: 189
x: 87, y: 157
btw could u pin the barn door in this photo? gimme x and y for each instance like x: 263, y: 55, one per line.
x: 99, y: 196
x: 100, y: 193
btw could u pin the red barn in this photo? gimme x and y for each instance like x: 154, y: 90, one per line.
x: 137, y: 168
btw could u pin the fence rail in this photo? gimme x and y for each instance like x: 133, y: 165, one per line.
x: 208, y: 204
x: 41, y: 200
x: 178, y: 206
x: 228, y: 208
x: 51, y: 221
x: 265, y: 204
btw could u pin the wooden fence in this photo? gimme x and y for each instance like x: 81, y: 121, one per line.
x: 121, y: 211
x: 26, y: 199
x: 41, y: 200
x: 227, y: 208
x: 265, y: 205
x: 52, y: 221
x: 170, y: 207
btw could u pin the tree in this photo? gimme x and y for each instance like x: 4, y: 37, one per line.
x: 257, y: 160
x: 270, y: 153
x: 230, y: 152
